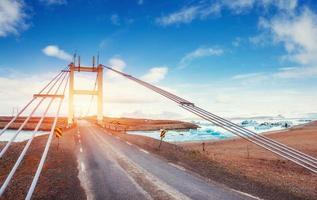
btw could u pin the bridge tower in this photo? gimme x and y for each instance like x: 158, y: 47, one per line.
x: 97, y: 91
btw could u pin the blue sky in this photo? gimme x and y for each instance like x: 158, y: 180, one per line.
x: 247, y: 57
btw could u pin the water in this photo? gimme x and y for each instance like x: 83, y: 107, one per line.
x: 23, y: 135
x: 208, y: 131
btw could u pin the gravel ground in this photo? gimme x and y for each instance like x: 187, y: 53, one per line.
x: 261, y: 173
x: 59, y: 178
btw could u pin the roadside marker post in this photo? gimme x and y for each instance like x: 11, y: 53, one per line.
x: 162, y: 135
x: 58, y: 134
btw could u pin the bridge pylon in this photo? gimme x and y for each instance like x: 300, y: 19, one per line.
x: 97, y: 92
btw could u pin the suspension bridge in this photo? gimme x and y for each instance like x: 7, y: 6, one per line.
x: 54, y: 93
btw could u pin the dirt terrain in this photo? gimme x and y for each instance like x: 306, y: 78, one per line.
x: 59, y: 175
x: 244, y: 166
x: 132, y: 124
x: 45, y: 126
x: 260, y: 165
x: 236, y: 163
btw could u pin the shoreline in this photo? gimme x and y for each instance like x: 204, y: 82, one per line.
x: 234, y: 137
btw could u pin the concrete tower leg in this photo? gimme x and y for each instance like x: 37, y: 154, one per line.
x: 71, y: 95
x: 100, y: 95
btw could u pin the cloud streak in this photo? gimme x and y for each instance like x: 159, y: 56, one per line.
x: 205, y: 9
x: 199, y: 53
x: 185, y: 15
x: 54, y: 2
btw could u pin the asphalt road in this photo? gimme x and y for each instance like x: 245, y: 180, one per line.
x: 111, y: 168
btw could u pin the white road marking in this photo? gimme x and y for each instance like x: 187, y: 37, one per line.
x: 144, y: 151
x: 247, y: 194
x: 79, y: 141
x: 177, y: 166
x: 82, y: 166
x: 78, y: 136
x: 128, y: 143
x: 81, y: 150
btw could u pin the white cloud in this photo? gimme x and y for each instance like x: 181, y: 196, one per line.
x: 185, y: 15
x: 14, y: 92
x: 301, y: 72
x: 251, y: 78
x: 54, y: 2
x: 204, y: 9
x: 199, y: 53
x: 117, y: 64
x: 123, y: 97
x: 236, y: 100
x: 155, y: 74
x: 239, y: 5
x: 12, y: 17
x: 246, y: 76
x: 297, y: 72
x: 259, y: 40
x: 298, y: 34
x: 281, y: 4
x: 55, y: 51
x: 115, y: 20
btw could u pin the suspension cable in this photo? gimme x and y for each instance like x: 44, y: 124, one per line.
x: 26, y: 147
x: 44, y: 155
x: 253, y: 134
x: 269, y: 144
x: 228, y: 123
x: 27, y: 119
x: 27, y: 105
x: 258, y: 142
x: 308, y: 159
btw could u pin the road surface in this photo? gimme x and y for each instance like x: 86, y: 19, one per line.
x: 111, y: 168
